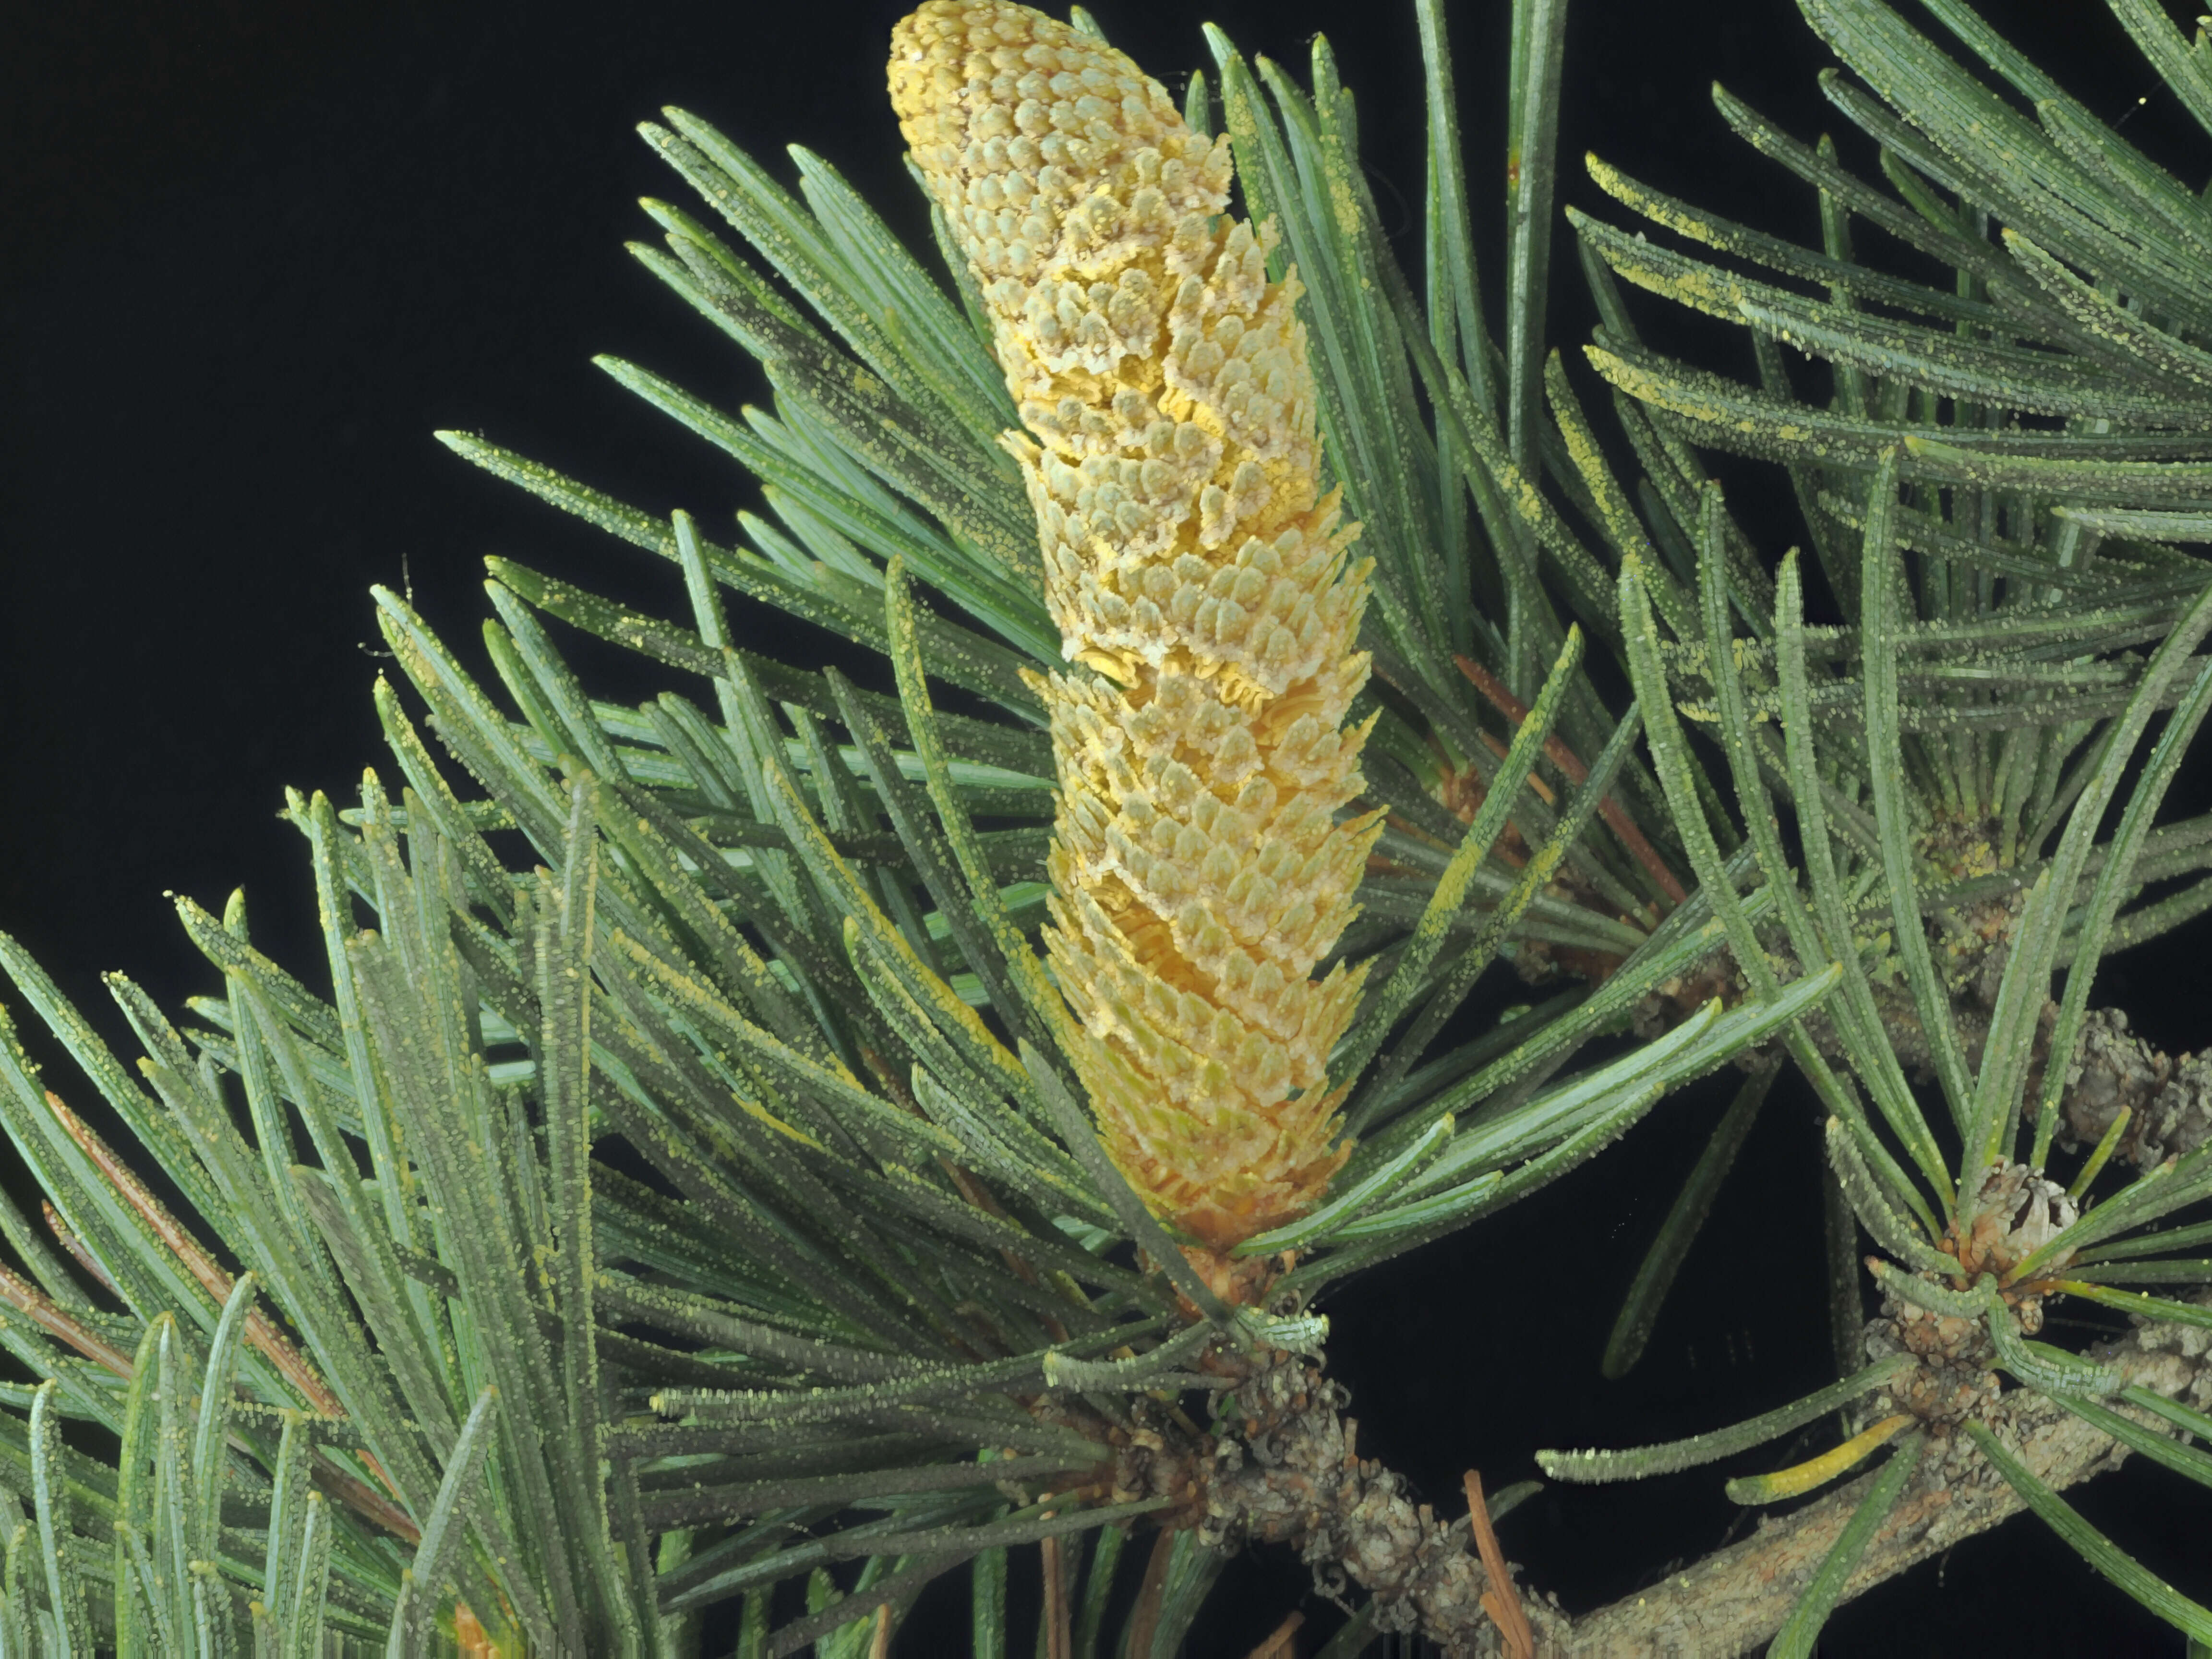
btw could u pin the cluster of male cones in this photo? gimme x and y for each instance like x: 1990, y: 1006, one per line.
x: 1204, y: 596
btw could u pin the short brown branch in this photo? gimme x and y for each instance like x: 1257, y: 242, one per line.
x: 1290, y: 1474
x: 78, y: 1252
x: 1735, y: 1599
x: 2170, y: 1099
x: 358, y: 1495
x: 1279, y: 1643
x: 260, y: 1331
x: 1058, y: 1629
x: 1561, y: 756
x: 1500, y: 1601
x: 1144, y: 1617
x: 56, y: 1321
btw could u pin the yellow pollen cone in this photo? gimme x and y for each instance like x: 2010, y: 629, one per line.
x: 1204, y: 597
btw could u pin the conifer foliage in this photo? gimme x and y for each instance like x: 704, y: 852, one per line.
x: 746, y: 1156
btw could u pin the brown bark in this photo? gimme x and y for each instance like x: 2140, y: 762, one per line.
x: 1287, y: 1471
x: 2169, y: 1099
x: 1737, y: 1598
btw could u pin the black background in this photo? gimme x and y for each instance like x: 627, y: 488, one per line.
x: 252, y: 252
